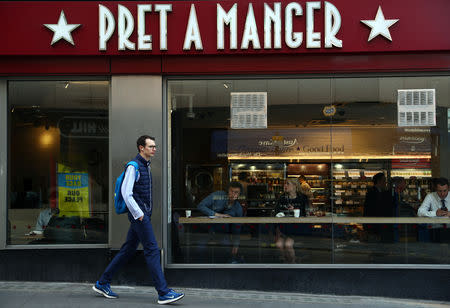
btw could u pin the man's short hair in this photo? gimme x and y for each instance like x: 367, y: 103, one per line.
x: 141, y: 141
x: 235, y: 184
x: 397, y: 180
x: 441, y: 181
x: 302, y: 177
x: 377, y: 178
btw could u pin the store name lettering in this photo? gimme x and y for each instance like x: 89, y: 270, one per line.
x: 285, y: 143
x: 226, y: 20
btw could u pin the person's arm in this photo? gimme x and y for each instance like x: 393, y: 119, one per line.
x: 239, y: 212
x: 426, y: 209
x: 205, y: 206
x: 368, y: 203
x: 279, y: 205
x: 303, y: 204
x: 127, y: 193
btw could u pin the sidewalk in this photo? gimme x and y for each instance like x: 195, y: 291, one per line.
x: 53, y: 294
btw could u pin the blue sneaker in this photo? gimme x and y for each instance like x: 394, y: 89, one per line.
x: 105, y: 290
x: 170, y: 297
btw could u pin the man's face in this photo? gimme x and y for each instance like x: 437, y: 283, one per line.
x: 233, y: 193
x: 442, y: 191
x: 149, y: 150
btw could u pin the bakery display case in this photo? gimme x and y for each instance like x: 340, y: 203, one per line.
x: 349, y: 190
x: 338, y: 188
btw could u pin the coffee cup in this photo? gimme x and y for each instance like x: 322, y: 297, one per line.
x: 296, y: 213
x: 188, y: 213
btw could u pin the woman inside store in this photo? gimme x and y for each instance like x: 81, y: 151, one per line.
x: 291, y: 199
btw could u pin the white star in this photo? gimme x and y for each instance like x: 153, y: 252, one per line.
x: 380, y: 25
x: 62, y: 29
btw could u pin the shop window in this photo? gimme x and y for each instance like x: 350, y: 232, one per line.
x: 58, y: 162
x: 332, y: 138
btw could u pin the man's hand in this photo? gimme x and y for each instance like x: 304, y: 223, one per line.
x: 442, y: 213
x: 221, y: 215
x: 140, y: 218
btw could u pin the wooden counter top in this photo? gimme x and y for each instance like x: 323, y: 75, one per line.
x: 318, y: 220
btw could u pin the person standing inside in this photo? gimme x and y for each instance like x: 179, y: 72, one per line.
x: 378, y: 202
x: 305, y: 188
x: 436, y: 203
x: 138, y: 198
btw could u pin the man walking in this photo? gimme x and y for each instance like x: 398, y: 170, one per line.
x: 137, y: 194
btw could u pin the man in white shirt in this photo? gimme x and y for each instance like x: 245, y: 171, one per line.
x: 436, y: 203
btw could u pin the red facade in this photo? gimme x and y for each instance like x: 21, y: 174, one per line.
x: 419, y: 39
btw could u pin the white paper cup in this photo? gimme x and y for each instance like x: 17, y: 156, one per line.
x: 188, y: 213
x: 296, y: 213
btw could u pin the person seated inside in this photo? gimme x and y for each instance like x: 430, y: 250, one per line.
x: 43, y: 219
x: 46, y: 214
x: 225, y: 204
x: 436, y: 203
x: 290, y: 200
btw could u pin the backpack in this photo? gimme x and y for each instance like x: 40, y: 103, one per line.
x: 119, y: 202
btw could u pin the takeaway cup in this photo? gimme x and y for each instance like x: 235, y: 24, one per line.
x: 188, y: 213
x: 296, y: 213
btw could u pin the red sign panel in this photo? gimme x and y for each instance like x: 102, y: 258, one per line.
x: 422, y: 163
x: 222, y: 27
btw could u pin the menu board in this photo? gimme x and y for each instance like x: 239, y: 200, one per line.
x: 416, y: 107
x: 248, y: 110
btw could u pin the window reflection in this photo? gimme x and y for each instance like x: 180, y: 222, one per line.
x: 58, y: 166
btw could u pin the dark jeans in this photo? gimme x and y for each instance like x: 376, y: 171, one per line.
x: 140, y: 231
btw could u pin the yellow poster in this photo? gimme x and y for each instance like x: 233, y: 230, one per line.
x: 73, y: 193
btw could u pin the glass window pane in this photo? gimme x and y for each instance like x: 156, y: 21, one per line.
x: 208, y: 153
x: 379, y: 187
x: 337, y: 133
x: 58, y: 162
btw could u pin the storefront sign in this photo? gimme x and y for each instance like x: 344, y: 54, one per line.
x: 289, y: 142
x: 222, y: 27
x: 311, y: 143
